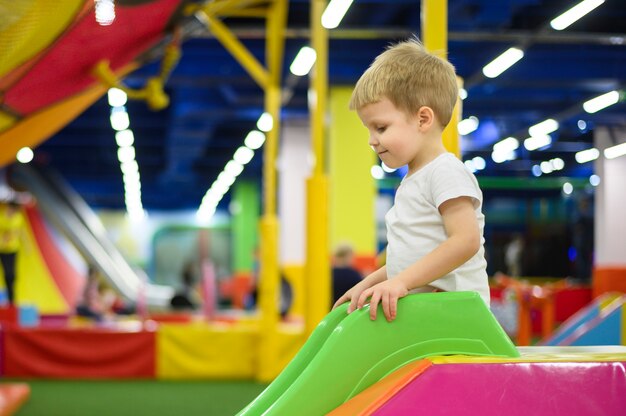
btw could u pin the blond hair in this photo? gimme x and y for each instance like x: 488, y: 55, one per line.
x: 410, y: 77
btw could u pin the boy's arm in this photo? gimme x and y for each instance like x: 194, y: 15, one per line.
x: 463, y: 242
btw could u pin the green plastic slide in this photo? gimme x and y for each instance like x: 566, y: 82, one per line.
x: 348, y: 353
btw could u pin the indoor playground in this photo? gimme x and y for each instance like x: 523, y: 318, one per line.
x: 176, y: 177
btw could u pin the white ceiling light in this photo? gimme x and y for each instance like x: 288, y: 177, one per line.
x: 254, y: 139
x: 335, y: 11
x: 537, y: 142
x: 303, y: 61
x: 124, y: 138
x: 467, y: 125
x: 506, y: 145
x: 575, y: 13
x: 503, y: 62
x: 596, y: 104
x: 479, y: 163
x: 233, y: 168
x: 545, y: 127
x: 117, y: 97
x: 568, y: 188
x: 377, y: 172
x: 25, y: 155
x: 265, y: 122
x: 119, y: 118
x: 594, y: 180
x: 588, y: 155
x: 243, y: 155
x: 387, y: 168
x: 462, y: 93
x: 615, y: 151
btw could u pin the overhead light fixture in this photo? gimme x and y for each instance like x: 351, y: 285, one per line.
x: 462, y: 93
x: 587, y: 155
x: 467, y: 125
x: 25, y: 155
x: 243, y: 155
x: 265, y: 122
x: 506, y: 145
x: 116, y: 97
x: 594, y: 180
x: 254, y: 139
x: 105, y: 12
x: 615, y: 151
x: 119, y: 118
x: 537, y: 142
x: 377, y: 172
x: 545, y: 127
x: 503, y: 62
x: 124, y: 138
x: 335, y: 11
x: 575, y: 13
x: 303, y: 61
x: 596, y: 104
x: 568, y: 188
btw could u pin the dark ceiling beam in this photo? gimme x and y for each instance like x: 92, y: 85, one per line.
x: 512, y: 36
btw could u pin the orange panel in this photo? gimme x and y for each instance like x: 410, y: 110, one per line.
x: 609, y: 279
x: 370, y: 399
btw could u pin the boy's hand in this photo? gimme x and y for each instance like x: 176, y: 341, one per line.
x: 387, y: 292
x: 352, y: 296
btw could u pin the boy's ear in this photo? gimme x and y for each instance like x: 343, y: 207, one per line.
x: 425, y: 117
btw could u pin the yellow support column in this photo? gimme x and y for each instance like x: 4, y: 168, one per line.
x: 317, y: 269
x: 270, y: 274
x: 435, y: 38
x: 353, y: 194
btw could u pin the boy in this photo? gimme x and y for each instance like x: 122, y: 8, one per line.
x: 435, y: 228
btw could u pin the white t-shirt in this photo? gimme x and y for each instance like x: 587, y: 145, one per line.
x: 415, y: 226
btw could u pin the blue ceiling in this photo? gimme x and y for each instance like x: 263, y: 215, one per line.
x: 214, y: 103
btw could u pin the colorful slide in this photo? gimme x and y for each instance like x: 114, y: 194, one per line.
x: 72, y: 216
x: 602, y: 322
x: 346, y: 354
x: 46, y: 279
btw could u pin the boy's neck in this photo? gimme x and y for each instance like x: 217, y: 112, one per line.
x: 433, y: 148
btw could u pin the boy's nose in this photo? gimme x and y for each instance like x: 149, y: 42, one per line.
x: 373, y: 141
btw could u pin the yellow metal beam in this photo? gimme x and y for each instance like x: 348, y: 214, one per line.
x: 435, y: 38
x: 269, y: 227
x: 317, y: 269
x: 237, y: 49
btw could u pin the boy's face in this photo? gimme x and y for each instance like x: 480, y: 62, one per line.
x: 394, y: 136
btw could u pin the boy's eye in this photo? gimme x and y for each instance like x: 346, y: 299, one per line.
x: 380, y: 129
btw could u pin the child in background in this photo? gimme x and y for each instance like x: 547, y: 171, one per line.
x: 435, y: 228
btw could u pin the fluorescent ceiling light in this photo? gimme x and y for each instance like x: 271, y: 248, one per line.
x: 503, y: 62
x: 467, y: 125
x: 265, y: 122
x: 124, y: 138
x: 303, y: 61
x: 377, y: 172
x: 506, y: 145
x: 575, y: 13
x: 25, y: 155
x: 254, y: 139
x: 335, y: 11
x: 615, y: 151
x: 588, y: 155
x: 243, y: 155
x: 117, y: 97
x: 596, y: 104
x: 119, y: 119
x: 545, y: 127
x: 537, y: 142
x: 500, y: 156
